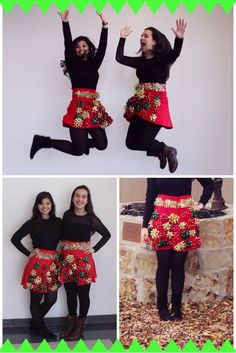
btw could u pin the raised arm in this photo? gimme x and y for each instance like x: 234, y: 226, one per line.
x: 22, y: 232
x: 69, y: 49
x: 120, y: 57
x: 98, y: 59
x: 179, y: 32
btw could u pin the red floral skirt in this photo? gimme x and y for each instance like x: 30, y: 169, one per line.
x: 86, y: 111
x: 173, y: 225
x: 75, y: 265
x: 150, y: 103
x: 41, y: 272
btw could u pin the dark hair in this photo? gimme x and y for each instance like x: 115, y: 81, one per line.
x: 91, y: 53
x: 89, y: 206
x: 163, y: 45
x: 36, y: 215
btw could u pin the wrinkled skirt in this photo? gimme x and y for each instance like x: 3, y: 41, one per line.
x: 150, y: 103
x: 75, y: 265
x: 173, y: 225
x: 85, y: 110
x: 41, y: 272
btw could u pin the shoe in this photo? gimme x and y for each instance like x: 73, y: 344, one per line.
x: 41, y: 330
x: 176, y: 315
x: 164, y: 313
x: 38, y: 143
x: 78, y: 331
x: 70, y: 327
x: 161, y: 156
x: 170, y: 153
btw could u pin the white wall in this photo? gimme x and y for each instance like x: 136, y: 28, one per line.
x: 18, y: 199
x: 36, y: 94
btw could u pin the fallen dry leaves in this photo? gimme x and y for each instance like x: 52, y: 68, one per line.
x: 201, y: 321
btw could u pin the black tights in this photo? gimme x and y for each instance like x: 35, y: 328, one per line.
x: 170, y: 261
x: 72, y: 291
x: 80, y: 143
x: 39, y: 310
x: 141, y: 136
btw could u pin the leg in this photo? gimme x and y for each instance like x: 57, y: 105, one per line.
x: 50, y: 299
x: 141, y: 136
x: 162, y: 281
x: 84, y: 302
x: 99, y: 138
x: 71, y: 296
x: 77, y: 146
x: 37, y: 323
x: 177, y: 281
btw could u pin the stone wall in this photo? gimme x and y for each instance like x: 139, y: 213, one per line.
x: 209, y: 270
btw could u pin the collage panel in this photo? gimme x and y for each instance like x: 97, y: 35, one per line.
x: 59, y: 260
x: 191, y: 90
x: 176, y: 261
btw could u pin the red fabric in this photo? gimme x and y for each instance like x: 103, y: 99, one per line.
x: 41, y: 275
x: 152, y: 106
x: 76, y: 266
x: 173, y: 228
x: 86, y: 112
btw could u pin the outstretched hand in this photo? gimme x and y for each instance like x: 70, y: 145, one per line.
x: 180, y: 28
x: 64, y: 15
x: 103, y: 18
x: 125, y: 31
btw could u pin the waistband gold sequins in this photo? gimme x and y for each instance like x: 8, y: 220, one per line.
x: 182, y: 203
x: 86, y: 94
x: 74, y: 246
x: 153, y: 86
x: 42, y: 255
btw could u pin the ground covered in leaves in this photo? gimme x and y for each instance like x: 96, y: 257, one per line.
x: 201, y: 321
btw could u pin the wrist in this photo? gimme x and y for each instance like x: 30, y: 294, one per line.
x: 104, y: 23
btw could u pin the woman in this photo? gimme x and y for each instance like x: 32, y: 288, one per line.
x: 76, y: 262
x: 85, y: 114
x: 170, y: 226
x: 148, y: 111
x: 40, y: 275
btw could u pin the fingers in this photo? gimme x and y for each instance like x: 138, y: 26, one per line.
x: 181, y: 24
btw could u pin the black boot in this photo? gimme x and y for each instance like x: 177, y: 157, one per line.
x: 38, y: 143
x: 161, y: 156
x: 78, y: 332
x: 170, y: 153
x: 164, y: 313
x: 176, y: 314
x: 40, y: 329
x: 70, y: 327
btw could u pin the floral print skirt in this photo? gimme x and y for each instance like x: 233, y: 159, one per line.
x: 85, y: 110
x: 75, y: 265
x: 41, y: 271
x: 173, y: 225
x: 150, y: 103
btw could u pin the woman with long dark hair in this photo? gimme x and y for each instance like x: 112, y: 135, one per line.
x: 170, y: 226
x: 77, y: 268
x: 85, y: 114
x: 40, y: 275
x: 148, y: 111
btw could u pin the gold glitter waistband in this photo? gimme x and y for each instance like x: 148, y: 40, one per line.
x: 43, y: 255
x: 182, y: 203
x: 153, y: 86
x: 86, y: 94
x: 74, y: 246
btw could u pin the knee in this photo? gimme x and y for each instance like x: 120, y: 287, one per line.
x: 79, y: 150
x: 101, y: 145
x: 131, y: 144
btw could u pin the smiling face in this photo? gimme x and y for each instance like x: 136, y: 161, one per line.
x: 45, y: 208
x: 147, y: 42
x: 82, y: 49
x: 80, y: 200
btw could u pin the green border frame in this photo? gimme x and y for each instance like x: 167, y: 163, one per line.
x: 117, y: 5
x: 99, y: 347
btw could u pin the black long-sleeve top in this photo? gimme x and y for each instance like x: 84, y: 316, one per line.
x: 45, y: 235
x: 155, y: 69
x: 173, y: 187
x: 80, y: 228
x: 83, y: 73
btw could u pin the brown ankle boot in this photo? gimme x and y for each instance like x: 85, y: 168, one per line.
x: 170, y: 153
x: 78, y: 331
x: 70, y: 327
x: 161, y: 156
